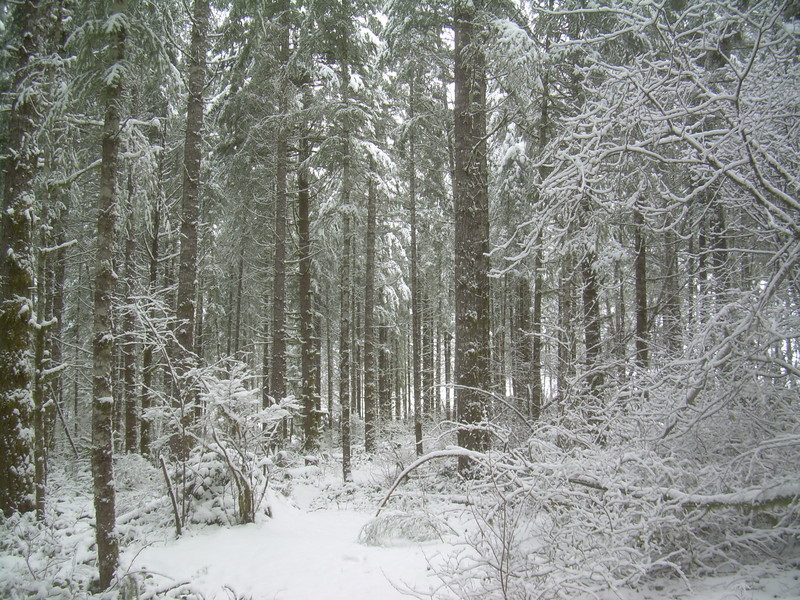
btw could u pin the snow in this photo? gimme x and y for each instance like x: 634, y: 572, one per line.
x: 308, y: 549
x: 296, y: 555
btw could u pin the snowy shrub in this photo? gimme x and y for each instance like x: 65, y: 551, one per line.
x: 567, y: 518
x: 397, y: 528
x: 226, y: 476
x: 134, y: 472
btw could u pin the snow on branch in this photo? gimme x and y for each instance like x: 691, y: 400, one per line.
x: 752, y: 498
x: 451, y: 452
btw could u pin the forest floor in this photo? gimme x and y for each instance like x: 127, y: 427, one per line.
x: 313, y: 547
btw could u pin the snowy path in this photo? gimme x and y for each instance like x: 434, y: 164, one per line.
x: 296, y: 555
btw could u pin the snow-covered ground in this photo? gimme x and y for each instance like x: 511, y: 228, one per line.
x: 296, y: 555
x: 300, y: 555
x: 309, y: 549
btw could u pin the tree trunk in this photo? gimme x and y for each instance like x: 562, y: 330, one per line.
x: 640, y: 285
x: 103, y: 344
x: 471, y: 205
x: 345, y: 281
x: 416, y: 317
x: 384, y: 376
x: 149, y: 365
x: 237, y: 331
x: 17, y: 276
x: 309, y: 392
x: 344, y: 345
x: 329, y: 366
x: 523, y: 359
x: 186, y: 357
x: 39, y: 392
x: 278, y: 366
x: 448, y: 376
x: 566, y: 337
x: 370, y: 375
x: 129, y: 341
x: 537, y: 394
x: 591, y: 329
x: 672, y: 294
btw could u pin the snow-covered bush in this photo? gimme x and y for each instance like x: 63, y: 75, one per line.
x: 396, y: 528
x: 226, y: 476
x: 564, y: 517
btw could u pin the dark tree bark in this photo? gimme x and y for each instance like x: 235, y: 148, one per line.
x: 103, y: 342
x: 523, y: 359
x: 672, y: 290
x: 41, y: 363
x: 355, y: 332
x: 190, y: 213
x: 329, y: 367
x: 384, y: 375
x: 566, y: 334
x: 428, y: 403
x: 237, y: 331
x: 471, y: 204
x: 149, y: 365
x: 640, y: 288
x: 344, y: 346
x: 129, y: 343
x: 278, y: 366
x: 309, y: 370
x: 345, y: 280
x: 416, y: 316
x: 448, y: 375
x: 537, y: 394
x: 17, y: 272
x: 591, y: 330
x: 370, y: 375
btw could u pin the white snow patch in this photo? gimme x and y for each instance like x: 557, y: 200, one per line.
x: 296, y: 555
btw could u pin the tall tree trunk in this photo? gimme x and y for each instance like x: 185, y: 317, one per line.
x: 384, y: 376
x: 345, y: 279
x: 344, y: 346
x: 591, y: 329
x: 416, y: 316
x: 128, y: 323
x: 523, y: 359
x: 428, y: 405
x: 566, y: 337
x: 537, y: 394
x: 448, y: 376
x: 355, y: 333
x: 57, y: 280
x: 190, y: 216
x: 103, y: 343
x: 672, y: 294
x: 640, y: 285
x: 149, y: 365
x: 278, y: 366
x: 329, y: 365
x: 309, y: 370
x: 39, y: 392
x: 471, y: 205
x: 370, y: 375
x: 237, y: 331
x: 16, y: 272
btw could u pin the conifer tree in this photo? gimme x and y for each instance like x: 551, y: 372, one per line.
x: 471, y: 204
x: 17, y: 267
x: 104, y: 285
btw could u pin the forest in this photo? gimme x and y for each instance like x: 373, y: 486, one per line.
x: 509, y: 290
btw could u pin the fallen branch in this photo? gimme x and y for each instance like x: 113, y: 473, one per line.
x: 760, y: 498
x: 171, y: 497
x: 448, y: 453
